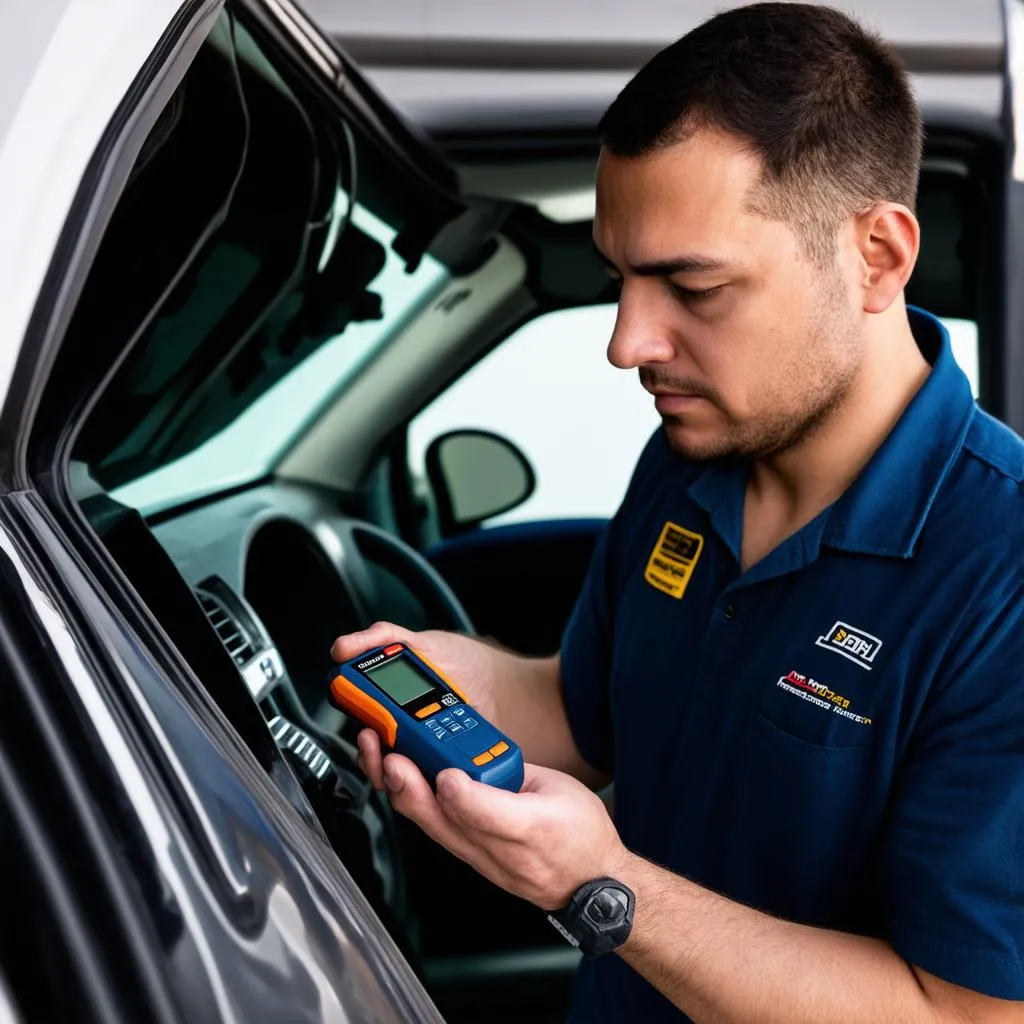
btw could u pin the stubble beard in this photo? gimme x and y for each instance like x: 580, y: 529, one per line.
x: 827, y: 389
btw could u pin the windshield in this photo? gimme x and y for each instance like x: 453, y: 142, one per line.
x: 261, y: 254
x: 249, y: 447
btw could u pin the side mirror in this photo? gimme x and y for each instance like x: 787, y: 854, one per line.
x: 474, y: 475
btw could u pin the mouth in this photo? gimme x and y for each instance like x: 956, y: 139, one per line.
x: 673, y: 402
x: 669, y: 403
x: 662, y: 393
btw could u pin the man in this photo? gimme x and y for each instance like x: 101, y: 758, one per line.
x: 799, y: 649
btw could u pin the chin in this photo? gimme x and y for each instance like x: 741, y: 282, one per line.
x: 694, y: 447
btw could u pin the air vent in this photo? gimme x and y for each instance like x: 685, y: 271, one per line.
x: 235, y: 642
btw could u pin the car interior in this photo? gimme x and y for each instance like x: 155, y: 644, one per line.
x: 278, y: 293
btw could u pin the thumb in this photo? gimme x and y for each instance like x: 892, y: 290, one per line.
x: 351, y: 645
x: 482, y: 807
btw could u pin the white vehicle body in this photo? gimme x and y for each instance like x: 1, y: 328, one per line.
x: 68, y: 65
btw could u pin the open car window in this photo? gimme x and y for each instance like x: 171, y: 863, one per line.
x: 238, y: 292
x: 250, y: 444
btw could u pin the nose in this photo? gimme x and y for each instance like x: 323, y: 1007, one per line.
x: 638, y: 338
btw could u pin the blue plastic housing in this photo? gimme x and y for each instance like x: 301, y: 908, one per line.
x: 449, y: 737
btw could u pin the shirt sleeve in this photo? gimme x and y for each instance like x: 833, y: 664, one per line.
x: 954, y: 855
x: 589, y: 636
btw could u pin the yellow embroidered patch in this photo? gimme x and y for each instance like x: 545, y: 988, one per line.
x: 673, y: 559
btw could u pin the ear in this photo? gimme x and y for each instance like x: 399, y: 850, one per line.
x: 888, y: 238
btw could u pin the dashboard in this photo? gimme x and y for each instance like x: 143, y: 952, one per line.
x: 280, y: 572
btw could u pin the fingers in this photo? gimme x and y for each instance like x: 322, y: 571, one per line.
x: 411, y: 795
x: 370, y: 757
x: 474, y: 805
x: 497, y: 812
x: 351, y: 645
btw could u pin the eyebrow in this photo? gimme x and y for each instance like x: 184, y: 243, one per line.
x: 667, y: 268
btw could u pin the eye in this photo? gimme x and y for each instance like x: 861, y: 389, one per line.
x: 689, y: 295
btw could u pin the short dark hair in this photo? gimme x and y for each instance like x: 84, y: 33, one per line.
x: 823, y: 102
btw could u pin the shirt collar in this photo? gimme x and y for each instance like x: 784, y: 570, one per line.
x: 885, y: 508
x: 720, y: 491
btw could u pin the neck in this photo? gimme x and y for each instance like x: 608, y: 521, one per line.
x: 806, y: 479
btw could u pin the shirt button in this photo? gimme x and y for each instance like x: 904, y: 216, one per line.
x: 730, y: 611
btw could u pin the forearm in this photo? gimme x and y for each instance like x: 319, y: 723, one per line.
x: 723, y: 963
x: 529, y: 709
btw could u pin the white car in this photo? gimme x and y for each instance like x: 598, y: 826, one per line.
x: 275, y: 364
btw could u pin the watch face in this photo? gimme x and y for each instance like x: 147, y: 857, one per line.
x: 598, y: 918
x: 607, y: 906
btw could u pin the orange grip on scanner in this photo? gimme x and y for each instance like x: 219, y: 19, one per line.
x: 362, y: 706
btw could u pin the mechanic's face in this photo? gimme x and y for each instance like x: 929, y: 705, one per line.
x: 747, y: 344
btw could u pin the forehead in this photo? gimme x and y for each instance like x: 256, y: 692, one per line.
x: 693, y: 192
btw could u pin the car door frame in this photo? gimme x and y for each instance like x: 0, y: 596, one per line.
x: 98, y: 140
x: 1011, y: 328
x: 87, y: 628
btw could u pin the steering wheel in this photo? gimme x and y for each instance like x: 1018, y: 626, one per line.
x: 363, y: 562
x: 379, y: 549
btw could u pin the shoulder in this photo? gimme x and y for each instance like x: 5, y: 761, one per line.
x: 654, y: 459
x: 973, y: 538
x: 660, y: 480
x: 661, y: 477
x: 981, y: 503
x: 996, y: 446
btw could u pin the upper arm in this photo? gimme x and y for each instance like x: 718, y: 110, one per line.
x: 953, y: 852
x: 588, y: 641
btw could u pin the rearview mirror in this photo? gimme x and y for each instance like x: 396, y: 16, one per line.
x: 475, y: 475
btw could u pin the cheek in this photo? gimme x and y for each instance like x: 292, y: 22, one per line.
x: 763, y: 371
x: 733, y: 355
x: 763, y: 353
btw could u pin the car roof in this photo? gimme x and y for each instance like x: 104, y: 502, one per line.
x: 463, y: 66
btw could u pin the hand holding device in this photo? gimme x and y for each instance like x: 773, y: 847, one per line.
x: 418, y: 712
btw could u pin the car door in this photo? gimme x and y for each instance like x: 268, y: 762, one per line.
x: 173, y: 866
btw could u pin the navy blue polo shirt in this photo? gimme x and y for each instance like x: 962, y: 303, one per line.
x: 837, y: 735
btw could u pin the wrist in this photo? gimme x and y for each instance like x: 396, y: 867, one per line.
x: 638, y: 874
x: 626, y: 866
x: 661, y: 897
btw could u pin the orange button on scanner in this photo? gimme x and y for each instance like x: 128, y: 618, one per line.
x: 428, y: 710
x: 482, y: 758
x: 499, y: 748
x: 393, y: 649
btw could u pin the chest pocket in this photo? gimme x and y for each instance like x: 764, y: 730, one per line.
x: 808, y: 814
x: 835, y: 715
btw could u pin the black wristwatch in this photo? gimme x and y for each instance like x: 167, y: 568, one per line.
x: 598, y: 917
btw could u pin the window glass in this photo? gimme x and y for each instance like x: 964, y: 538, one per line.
x: 249, y: 446
x: 229, y: 308
x: 549, y: 388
